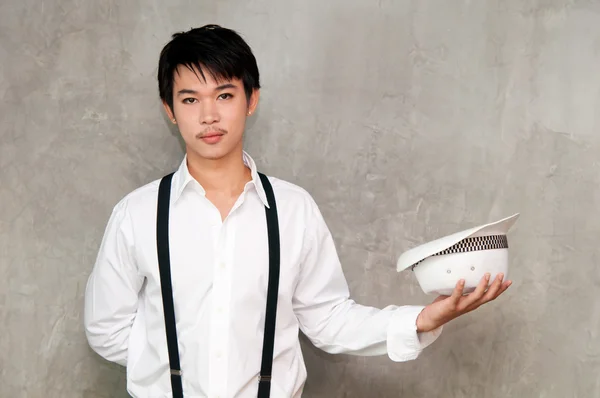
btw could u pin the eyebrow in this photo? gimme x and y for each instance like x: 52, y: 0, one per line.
x: 194, y: 92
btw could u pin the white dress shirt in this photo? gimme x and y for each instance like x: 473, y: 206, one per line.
x: 219, y: 275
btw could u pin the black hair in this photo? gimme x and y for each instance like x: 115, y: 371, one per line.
x: 211, y: 48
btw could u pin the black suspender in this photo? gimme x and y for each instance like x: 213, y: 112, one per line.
x: 264, y: 386
x: 164, y: 263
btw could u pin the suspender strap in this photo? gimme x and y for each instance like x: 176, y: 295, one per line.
x: 264, y: 385
x: 164, y: 264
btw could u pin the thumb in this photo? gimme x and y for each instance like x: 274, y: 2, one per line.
x: 458, y: 291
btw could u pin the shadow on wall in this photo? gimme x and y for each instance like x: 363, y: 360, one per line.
x: 105, y: 384
x: 441, y: 367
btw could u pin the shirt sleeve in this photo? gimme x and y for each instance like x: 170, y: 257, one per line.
x: 111, y: 296
x: 337, y: 324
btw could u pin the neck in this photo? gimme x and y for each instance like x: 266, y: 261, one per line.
x: 227, y: 175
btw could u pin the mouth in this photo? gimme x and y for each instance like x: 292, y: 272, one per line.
x: 211, y: 137
x: 210, y: 134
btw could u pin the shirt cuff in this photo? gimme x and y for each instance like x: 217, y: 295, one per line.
x: 403, y: 341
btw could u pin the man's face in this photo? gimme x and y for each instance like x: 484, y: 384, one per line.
x: 211, y: 115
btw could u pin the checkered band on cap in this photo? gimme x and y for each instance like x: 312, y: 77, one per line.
x: 473, y: 244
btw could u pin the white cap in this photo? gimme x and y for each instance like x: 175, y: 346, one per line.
x: 468, y: 255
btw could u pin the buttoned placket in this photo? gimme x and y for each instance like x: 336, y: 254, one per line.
x: 224, y: 243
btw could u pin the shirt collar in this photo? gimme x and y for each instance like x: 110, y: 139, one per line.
x: 182, y: 178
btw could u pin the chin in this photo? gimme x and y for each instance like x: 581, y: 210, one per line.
x: 214, y: 153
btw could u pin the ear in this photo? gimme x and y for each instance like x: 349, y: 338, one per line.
x: 253, y: 102
x: 169, y: 112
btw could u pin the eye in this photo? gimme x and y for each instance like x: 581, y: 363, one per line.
x: 225, y: 96
x: 189, y: 100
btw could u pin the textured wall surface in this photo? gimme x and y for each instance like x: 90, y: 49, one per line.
x: 405, y: 119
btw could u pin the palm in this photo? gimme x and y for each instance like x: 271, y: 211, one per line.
x: 445, y: 308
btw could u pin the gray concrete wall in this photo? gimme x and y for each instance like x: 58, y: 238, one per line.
x: 405, y: 119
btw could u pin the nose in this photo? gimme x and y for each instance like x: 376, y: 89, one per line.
x: 209, y: 114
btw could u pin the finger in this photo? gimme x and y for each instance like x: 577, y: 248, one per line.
x: 505, y: 286
x: 477, y: 294
x: 494, y: 289
x: 501, y: 289
x: 458, y: 291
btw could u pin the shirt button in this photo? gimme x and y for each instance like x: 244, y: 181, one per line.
x: 222, y: 265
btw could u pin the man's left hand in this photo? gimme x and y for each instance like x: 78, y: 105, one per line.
x: 446, y: 308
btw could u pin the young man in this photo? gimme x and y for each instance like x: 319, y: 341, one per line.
x: 222, y: 249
